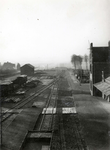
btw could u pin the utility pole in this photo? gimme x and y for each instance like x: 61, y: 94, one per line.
x: 0, y: 119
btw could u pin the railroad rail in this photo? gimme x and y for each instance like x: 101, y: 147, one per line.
x: 40, y: 128
x: 22, y: 103
x: 52, y: 108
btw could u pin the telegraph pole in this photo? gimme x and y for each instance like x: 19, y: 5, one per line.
x: 0, y: 118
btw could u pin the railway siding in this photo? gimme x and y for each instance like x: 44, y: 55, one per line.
x: 42, y: 129
x: 14, y: 135
x: 53, y: 123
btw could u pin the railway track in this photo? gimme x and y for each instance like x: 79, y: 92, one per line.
x: 25, y: 101
x: 48, y: 112
x: 68, y: 129
x: 47, y: 122
x: 44, y: 124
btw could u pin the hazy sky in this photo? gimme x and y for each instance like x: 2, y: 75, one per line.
x: 46, y: 31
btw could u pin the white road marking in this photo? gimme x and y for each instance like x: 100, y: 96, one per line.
x: 66, y: 110
x: 49, y: 111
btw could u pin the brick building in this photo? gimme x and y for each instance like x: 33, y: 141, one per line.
x: 27, y: 69
x: 99, y: 61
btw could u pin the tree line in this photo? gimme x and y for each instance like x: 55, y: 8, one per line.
x: 76, y: 60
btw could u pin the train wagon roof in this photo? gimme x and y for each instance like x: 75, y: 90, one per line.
x: 22, y: 76
x: 5, y: 82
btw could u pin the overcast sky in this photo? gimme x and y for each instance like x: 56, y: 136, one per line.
x: 50, y: 31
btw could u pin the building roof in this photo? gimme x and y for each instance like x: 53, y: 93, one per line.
x: 5, y: 82
x: 107, y: 92
x: 104, y: 86
x: 107, y: 80
x: 22, y: 76
x: 28, y: 65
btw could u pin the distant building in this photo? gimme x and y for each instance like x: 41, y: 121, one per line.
x: 8, y: 66
x: 99, y: 61
x: 27, y: 69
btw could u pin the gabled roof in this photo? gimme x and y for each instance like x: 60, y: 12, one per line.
x: 104, y: 86
x: 28, y: 65
x: 107, y: 80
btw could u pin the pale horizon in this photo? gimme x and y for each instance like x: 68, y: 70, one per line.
x: 51, y: 31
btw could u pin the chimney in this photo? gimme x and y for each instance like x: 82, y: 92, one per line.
x: 91, y: 45
x: 91, y: 53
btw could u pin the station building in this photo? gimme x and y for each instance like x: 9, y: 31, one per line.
x: 27, y: 69
x: 99, y: 66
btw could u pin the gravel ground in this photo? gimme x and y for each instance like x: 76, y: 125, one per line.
x: 66, y: 101
x: 92, y: 120
x: 96, y: 121
x: 68, y: 133
x: 56, y: 141
x: 73, y: 132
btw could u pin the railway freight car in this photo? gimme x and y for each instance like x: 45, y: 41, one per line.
x: 20, y: 81
x: 6, y: 88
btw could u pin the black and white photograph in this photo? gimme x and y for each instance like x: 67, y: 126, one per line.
x: 54, y: 74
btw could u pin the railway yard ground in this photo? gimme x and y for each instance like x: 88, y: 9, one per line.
x: 57, y: 114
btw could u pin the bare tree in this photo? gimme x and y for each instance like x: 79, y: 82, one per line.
x: 86, y: 59
x: 79, y: 58
x: 73, y: 60
x: 76, y: 60
x: 18, y: 66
